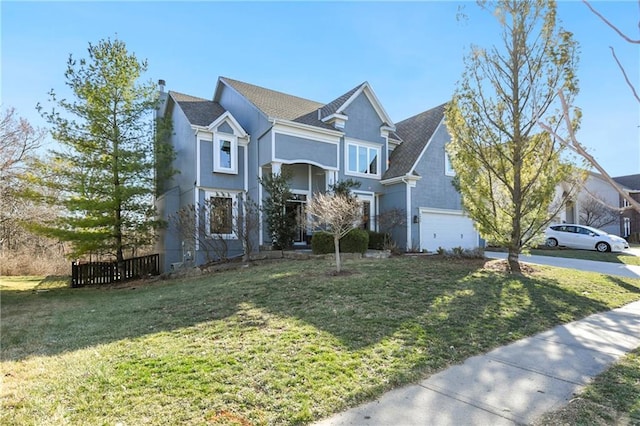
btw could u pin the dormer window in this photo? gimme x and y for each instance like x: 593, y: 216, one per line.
x: 225, y: 154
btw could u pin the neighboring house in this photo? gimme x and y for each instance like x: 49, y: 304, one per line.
x: 224, y: 145
x: 630, y: 218
x: 597, y: 203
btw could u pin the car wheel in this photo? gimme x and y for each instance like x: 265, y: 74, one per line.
x: 603, y: 247
x: 552, y: 242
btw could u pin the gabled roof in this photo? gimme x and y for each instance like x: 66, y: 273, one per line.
x: 629, y: 181
x: 278, y: 105
x: 199, y: 111
x: 333, y: 106
x: 274, y: 104
x: 415, y: 132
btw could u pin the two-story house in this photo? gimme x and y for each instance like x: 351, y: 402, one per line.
x: 223, y: 147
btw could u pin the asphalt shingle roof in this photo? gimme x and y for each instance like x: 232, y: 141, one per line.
x: 199, y: 111
x: 276, y: 104
x: 415, y: 132
x: 629, y: 181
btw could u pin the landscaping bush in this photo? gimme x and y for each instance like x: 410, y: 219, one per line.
x: 322, y: 243
x: 377, y: 240
x: 356, y: 241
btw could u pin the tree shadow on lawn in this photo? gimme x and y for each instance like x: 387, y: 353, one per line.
x: 448, y: 309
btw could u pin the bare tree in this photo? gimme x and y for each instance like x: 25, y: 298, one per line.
x: 388, y: 222
x: 571, y: 140
x: 19, y: 143
x: 595, y: 212
x: 336, y: 213
x: 214, y: 224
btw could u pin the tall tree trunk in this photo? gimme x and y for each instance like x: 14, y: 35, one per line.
x: 336, y: 245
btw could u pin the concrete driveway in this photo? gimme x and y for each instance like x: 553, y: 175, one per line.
x: 607, y: 268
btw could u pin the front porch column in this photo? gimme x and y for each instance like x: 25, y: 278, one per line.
x: 330, y: 177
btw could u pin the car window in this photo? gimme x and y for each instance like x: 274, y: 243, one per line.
x: 584, y: 231
x: 570, y: 229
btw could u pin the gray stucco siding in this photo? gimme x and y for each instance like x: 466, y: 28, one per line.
x: 264, y: 149
x: 184, y: 145
x: 294, y: 148
x: 435, y: 189
x: 225, y: 128
x: 168, y: 243
x: 363, y: 121
x: 395, y: 197
x: 299, y: 176
x: 219, y: 180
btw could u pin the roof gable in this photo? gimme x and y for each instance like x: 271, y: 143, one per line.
x: 415, y: 133
x: 339, y: 105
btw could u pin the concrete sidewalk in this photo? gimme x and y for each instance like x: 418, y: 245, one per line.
x: 608, y: 268
x: 513, y: 384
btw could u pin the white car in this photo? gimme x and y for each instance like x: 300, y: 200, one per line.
x: 583, y: 237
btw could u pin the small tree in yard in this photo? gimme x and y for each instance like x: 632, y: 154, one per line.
x: 280, y: 222
x: 507, y: 168
x: 337, y: 213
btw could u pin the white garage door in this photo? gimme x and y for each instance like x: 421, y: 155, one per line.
x: 446, y: 229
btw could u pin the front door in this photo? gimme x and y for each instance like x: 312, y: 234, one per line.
x: 296, y: 206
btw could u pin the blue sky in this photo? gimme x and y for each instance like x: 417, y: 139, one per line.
x: 411, y: 53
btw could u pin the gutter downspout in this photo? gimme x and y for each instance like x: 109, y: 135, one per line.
x: 408, y: 213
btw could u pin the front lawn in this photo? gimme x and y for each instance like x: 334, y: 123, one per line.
x: 279, y: 343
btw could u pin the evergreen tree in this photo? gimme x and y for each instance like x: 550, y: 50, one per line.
x: 507, y: 168
x: 103, y: 172
x: 281, y: 222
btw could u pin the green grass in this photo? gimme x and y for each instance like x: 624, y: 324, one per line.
x: 612, y: 398
x: 280, y: 343
x: 625, y: 258
x: 33, y: 283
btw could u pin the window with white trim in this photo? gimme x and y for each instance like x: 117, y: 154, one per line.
x: 221, y: 212
x: 225, y: 154
x: 363, y: 160
x: 627, y: 227
x: 448, y: 167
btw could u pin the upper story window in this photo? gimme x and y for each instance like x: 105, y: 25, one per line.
x: 225, y: 154
x: 363, y: 159
x: 448, y: 167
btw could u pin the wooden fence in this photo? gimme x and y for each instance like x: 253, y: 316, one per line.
x: 92, y: 273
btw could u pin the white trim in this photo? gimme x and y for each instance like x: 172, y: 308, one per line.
x: 442, y: 211
x: 227, y: 116
x: 198, y: 170
x: 358, y: 143
x: 408, y: 220
x: 233, y: 195
x: 369, y: 196
x: 217, y: 142
x: 448, y: 167
x: 246, y: 168
x: 305, y: 134
x: 260, y: 227
x: 373, y: 99
x: 308, y: 136
x: 408, y: 179
x: 306, y: 128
